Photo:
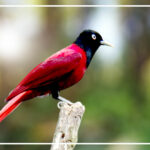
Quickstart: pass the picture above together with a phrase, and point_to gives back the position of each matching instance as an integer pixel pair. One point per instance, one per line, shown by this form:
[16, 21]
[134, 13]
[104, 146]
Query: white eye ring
[93, 36]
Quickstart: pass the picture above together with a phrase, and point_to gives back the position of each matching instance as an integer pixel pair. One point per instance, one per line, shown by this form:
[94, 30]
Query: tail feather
[11, 105]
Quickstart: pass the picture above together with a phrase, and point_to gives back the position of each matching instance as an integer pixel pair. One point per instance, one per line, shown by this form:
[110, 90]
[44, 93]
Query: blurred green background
[115, 89]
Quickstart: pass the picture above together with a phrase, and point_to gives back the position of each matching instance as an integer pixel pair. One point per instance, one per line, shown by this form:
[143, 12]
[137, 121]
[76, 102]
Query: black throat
[89, 56]
[89, 51]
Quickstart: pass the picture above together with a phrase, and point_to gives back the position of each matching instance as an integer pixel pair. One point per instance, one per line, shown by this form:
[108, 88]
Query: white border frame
[100, 144]
[84, 6]
[117, 6]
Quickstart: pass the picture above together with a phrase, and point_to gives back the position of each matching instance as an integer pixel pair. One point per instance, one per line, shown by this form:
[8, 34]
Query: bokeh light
[11, 43]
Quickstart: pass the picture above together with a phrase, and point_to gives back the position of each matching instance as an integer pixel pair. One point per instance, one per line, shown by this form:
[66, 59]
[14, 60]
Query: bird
[59, 71]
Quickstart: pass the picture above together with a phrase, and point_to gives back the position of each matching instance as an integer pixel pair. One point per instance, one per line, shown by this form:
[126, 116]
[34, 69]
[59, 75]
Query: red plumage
[11, 105]
[65, 68]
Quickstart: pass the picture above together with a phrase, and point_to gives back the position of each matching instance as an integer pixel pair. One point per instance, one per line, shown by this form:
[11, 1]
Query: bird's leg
[64, 100]
[55, 95]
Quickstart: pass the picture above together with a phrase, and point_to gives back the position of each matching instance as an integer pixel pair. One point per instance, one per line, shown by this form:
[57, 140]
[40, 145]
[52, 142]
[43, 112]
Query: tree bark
[66, 133]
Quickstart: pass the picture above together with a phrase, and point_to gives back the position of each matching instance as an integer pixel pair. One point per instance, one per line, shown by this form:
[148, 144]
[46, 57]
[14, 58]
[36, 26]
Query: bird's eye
[93, 36]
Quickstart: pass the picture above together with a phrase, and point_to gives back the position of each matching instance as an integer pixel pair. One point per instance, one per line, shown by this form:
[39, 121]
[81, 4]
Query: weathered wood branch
[69, 120]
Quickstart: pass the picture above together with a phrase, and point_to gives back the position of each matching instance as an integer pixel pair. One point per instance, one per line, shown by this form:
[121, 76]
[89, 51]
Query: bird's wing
[49, 71]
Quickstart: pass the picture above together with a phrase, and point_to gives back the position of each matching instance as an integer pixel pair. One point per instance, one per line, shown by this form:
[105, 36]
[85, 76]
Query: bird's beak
[106, 43]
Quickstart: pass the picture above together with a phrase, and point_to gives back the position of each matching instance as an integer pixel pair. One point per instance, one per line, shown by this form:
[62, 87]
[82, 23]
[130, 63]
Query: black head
[89, 39]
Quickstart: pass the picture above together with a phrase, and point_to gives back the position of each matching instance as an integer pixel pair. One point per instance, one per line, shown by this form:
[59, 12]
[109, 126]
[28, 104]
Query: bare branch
[69, 120]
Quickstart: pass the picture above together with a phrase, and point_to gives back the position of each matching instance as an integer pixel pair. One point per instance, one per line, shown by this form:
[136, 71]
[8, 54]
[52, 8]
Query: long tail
[11, 105]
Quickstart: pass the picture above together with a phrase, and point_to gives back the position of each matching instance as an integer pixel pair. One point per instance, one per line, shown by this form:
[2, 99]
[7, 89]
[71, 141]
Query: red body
[65, 68]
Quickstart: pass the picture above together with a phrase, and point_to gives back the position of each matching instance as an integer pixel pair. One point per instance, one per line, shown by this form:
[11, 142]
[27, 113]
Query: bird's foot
[55, 95]
[64, 100]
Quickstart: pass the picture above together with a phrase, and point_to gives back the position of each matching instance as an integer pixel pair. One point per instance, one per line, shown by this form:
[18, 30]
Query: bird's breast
[75, 75]
[72, 78]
